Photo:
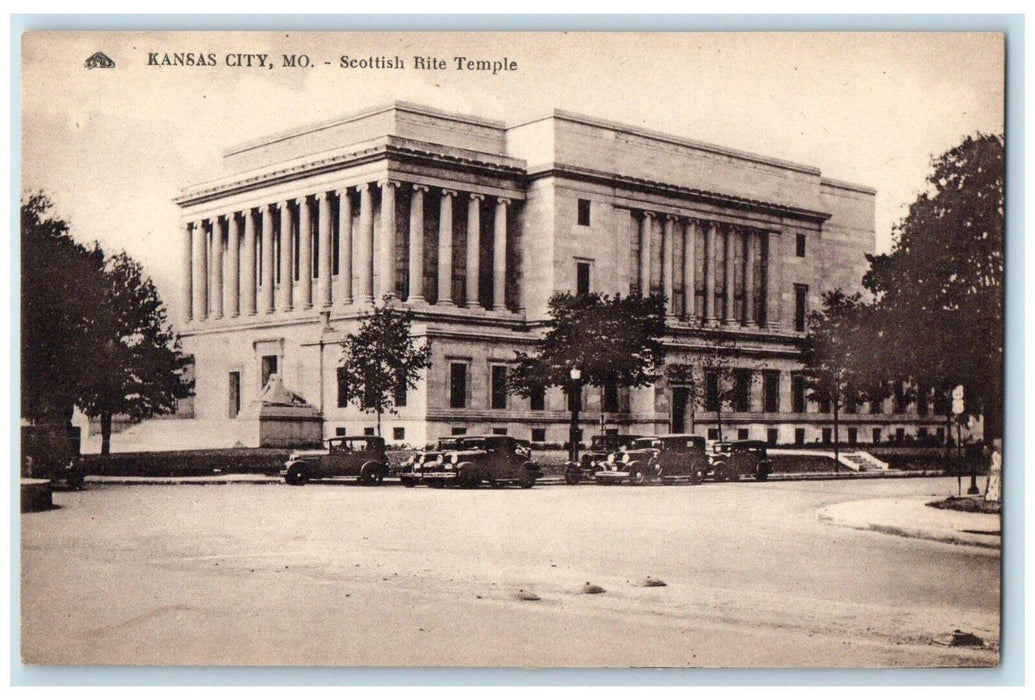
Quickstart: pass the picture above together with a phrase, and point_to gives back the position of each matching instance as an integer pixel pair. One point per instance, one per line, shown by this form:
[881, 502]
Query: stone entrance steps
[169, 434]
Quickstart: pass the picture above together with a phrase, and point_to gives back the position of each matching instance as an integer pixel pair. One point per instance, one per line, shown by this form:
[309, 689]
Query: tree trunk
[105, 432]
[379, 423]
[718, 419]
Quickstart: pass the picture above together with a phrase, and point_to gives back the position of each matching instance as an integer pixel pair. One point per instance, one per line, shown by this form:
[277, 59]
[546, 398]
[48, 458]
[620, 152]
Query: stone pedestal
[281, 418]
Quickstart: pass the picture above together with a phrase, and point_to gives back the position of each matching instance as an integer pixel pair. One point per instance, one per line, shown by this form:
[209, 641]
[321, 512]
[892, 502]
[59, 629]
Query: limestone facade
[473, 224]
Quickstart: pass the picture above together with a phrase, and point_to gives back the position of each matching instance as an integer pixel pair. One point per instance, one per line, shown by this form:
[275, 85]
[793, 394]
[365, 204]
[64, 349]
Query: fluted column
[499, 255]
[750, 242]
[232, 290]
[323, 237]
[186, 265]
[445, 248]
[287, 268]
[248, 269]
[646, 223]
[344, 247]
[199, 275]
[689, 268]
[667, 259]
[416, 254]
[709, 273]
[729, 276]
[363, 261]
[305, 253]
[217, 269]
[268, 274]
[773, 281]
[474, 226]
[386, 266]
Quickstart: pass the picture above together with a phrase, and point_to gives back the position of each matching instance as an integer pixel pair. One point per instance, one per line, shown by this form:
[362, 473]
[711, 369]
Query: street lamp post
[575, 396]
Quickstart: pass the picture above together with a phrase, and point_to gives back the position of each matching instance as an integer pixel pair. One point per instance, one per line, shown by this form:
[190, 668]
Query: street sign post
[957, 411]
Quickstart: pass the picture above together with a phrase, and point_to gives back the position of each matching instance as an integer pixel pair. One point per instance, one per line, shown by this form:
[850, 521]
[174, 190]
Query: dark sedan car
[599, 448]
[362, 457]
[732, 460]
[467, 461]
[666, 458]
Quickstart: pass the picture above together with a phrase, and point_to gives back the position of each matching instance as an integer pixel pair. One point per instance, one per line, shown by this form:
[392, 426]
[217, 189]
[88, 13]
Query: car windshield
[646, 443]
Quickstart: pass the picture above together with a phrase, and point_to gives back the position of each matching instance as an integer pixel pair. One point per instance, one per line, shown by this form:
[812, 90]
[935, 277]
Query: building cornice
[661, 188]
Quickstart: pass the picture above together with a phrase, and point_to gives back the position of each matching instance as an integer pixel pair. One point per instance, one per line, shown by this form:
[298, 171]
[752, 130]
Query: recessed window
[538, 434]
[269, 368]
[713, 433]
[499, 387]
[368, 431]
[797, 393]
[800, 249]
[398, 433]
[801, 292]
[711, 390]
[799, 436]
[742, 433]
[772, 435]
[499, 431]
[339, 431]
[610, 398]
[537, 401]
[582, 278]
[876, 435]
[399, 394]
[457, 385]
[235, 394]
[584, 212]
[458, 431]
[771, 390]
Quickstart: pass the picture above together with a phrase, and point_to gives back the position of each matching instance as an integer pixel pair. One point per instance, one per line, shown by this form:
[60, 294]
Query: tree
[61, 286]
[381, 357]
[944, 276]
[610, 341]
[137, 368]
[835, 355]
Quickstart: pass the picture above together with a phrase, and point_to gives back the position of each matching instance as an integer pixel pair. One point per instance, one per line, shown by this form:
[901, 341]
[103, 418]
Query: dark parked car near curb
[362, 457]
[467, 461]
[667, 458]
[600, 447]
[732, 460]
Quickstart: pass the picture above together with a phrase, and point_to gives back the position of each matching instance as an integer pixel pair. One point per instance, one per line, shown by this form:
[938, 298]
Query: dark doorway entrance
[235, 394]
[680, 399]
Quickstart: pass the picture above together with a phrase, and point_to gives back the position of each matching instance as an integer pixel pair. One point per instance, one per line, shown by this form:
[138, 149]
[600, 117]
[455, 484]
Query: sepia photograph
[523, 350]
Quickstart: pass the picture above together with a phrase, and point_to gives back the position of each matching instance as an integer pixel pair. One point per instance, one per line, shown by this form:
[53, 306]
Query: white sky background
[113, 147]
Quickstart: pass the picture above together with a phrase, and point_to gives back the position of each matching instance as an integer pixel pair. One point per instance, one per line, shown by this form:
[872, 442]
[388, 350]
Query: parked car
[467, 461]
[600, 447]
[732, 460]
[362, 457]
[667, 458]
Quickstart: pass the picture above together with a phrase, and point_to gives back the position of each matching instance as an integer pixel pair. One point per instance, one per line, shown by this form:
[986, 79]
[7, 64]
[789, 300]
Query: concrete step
[167, 435]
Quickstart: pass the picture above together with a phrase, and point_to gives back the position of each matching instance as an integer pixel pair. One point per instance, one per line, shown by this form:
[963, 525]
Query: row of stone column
[238, 236]
[756, 242]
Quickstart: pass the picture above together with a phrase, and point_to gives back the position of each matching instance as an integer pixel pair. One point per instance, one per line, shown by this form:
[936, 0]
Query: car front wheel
[408, 482]
[637, 477]
[697, 475]
[527, 479]
[296, 475]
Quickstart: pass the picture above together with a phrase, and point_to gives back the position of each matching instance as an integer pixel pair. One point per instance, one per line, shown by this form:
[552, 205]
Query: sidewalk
[910, 517]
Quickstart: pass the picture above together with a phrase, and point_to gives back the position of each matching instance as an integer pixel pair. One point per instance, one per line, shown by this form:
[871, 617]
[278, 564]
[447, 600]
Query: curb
[944, 536]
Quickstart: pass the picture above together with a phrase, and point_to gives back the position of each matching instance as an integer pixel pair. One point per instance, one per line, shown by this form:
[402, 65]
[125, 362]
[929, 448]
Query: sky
[113, 147]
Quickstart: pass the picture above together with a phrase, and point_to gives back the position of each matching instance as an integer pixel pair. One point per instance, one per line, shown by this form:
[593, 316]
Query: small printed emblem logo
[99, 60]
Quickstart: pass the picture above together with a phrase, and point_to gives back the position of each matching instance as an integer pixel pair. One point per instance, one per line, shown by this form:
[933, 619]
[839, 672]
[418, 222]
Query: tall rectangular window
[876, 436]
[457, 385]
[343, 394]
[498, 375]
[711, 390]
[269, 368]
[772, 435]
[800, 309]
[584, 210]
[234, 394]
[537, 401]
[582, 278]
[399, 394]
[742, 390]
[800, 245]
[771, 391]
[610, 398]
[797, 393]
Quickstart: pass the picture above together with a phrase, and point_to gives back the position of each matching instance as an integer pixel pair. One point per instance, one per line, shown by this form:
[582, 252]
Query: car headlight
[625, 458]
[453, 459]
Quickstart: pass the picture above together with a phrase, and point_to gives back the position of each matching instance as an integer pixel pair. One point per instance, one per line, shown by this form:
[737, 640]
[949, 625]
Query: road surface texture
[343, 575]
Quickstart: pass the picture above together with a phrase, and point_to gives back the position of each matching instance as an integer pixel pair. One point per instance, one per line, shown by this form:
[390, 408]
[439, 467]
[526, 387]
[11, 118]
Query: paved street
[337, 574]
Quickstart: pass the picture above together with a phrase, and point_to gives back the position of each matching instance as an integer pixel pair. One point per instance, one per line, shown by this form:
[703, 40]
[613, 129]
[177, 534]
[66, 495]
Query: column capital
[503, 200]
[341, 191]
[420, 188]
[448, 193]
[362, 187]
[475, 196]
[388, 183]
[672, 217]
[320, 196]
[284, 204]
[648, 214]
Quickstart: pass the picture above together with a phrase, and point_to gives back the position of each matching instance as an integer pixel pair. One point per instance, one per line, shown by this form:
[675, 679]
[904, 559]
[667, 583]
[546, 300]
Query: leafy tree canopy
[611, 340]
[380, 357]
[939, 293]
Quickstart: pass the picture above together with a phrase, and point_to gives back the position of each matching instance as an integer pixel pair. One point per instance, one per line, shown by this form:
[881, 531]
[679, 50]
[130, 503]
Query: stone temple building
[473, 224]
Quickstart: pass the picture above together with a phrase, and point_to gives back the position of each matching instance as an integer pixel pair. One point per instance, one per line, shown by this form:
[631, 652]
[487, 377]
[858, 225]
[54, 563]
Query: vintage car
[469, 460]
[362, 457]
[600, 447]
[732, 460]
[667, 458]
